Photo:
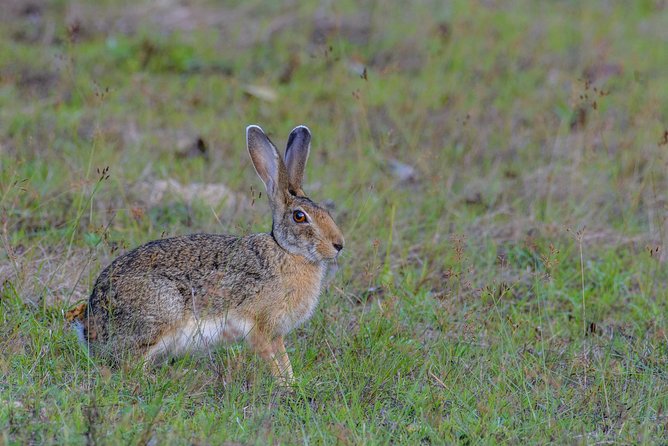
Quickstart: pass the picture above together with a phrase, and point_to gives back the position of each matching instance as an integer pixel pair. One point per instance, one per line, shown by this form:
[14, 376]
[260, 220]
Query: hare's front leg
[282, 358]
[273, 351]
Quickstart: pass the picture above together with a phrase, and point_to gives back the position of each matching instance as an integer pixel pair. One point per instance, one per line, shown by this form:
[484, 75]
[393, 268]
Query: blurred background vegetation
[499, 170]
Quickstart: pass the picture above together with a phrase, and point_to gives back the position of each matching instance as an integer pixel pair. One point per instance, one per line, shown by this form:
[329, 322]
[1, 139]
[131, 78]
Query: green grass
[512, 290]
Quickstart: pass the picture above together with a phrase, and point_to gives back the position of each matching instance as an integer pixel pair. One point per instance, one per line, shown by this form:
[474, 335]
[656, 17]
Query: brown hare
[190, 292]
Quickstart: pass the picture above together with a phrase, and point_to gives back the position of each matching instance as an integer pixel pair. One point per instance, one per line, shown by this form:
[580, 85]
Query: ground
[498, 168]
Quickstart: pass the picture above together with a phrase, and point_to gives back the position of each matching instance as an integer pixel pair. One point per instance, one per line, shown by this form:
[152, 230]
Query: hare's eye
[299, 216]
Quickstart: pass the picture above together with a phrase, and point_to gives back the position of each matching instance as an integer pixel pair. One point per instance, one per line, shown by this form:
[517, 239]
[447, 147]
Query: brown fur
[204, 288]
[76, 314]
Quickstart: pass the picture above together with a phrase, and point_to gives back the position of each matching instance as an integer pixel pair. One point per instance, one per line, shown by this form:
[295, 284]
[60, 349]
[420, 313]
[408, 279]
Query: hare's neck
[302, 285]
[304, 274]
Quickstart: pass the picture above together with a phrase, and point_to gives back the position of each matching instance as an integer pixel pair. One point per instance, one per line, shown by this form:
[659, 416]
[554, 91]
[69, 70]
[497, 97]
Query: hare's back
[161, 267]
[194, 252]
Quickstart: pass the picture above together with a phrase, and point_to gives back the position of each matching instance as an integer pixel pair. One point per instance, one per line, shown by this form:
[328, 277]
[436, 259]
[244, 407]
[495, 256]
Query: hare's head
[300, 226]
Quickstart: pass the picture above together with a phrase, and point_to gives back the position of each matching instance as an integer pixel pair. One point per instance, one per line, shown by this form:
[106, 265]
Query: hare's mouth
[333, 266]
[321, 254]
[332, 258]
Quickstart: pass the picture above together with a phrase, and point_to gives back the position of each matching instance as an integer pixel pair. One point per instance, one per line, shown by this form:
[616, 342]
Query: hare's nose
[338, 246]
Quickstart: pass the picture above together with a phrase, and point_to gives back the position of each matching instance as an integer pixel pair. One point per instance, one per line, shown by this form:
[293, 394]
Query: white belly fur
[202, 334]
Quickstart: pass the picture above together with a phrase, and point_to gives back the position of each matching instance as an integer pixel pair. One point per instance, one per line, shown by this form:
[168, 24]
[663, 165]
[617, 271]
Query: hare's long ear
[268, 165]
[296, 154]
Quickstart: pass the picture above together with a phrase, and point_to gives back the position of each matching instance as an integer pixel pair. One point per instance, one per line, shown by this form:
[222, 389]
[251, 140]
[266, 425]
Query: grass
[498, 170]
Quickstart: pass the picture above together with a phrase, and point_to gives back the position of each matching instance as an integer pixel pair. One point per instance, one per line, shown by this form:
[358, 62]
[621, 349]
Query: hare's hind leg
[156, 353]
[172, 342]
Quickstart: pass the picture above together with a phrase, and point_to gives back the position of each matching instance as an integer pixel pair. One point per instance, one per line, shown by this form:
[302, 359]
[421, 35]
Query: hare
[190, 292]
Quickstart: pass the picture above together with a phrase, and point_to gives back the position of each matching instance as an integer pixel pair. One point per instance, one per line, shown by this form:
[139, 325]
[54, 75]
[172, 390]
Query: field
[499, 170]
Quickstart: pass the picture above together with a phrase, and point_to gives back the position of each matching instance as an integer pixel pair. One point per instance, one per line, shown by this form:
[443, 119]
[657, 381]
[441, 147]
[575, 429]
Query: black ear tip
[254, 134]
[302, 133]
[254, 129]
[301, 129]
